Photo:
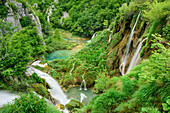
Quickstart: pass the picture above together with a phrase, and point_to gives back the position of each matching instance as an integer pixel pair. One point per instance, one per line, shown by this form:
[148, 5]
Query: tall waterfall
[126, 54]
[72, 69]
[84, 83]
[136, 56]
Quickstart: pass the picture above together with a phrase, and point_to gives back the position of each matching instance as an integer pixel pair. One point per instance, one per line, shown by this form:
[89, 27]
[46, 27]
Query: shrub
[25, 21]
[28, 103]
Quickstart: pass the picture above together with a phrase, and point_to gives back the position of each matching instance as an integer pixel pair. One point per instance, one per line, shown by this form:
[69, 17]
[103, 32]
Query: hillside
[126, 62]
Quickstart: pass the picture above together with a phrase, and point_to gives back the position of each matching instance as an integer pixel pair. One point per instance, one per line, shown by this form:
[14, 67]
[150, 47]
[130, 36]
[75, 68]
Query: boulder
[60, 106]
[74, 104]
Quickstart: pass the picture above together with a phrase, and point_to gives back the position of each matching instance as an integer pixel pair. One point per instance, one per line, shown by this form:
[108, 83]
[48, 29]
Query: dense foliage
[29, 103]
[144, 89]
[87, 17]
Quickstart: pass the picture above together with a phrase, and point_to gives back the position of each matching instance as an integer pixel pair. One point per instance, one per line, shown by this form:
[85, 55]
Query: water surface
[74, 92]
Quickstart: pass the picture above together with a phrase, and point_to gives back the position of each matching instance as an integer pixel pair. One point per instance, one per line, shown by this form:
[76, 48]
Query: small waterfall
[72, 69]
[84, 83]
[110, 37]
[82, 96]
[34, 18]
[49, 14]
[136, 56]
[126, 54]
[92, 37]
[55, 91]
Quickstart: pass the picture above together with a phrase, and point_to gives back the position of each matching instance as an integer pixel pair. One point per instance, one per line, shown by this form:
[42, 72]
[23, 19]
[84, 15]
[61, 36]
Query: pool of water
[75, 93]
[62, 54]
[7, 97]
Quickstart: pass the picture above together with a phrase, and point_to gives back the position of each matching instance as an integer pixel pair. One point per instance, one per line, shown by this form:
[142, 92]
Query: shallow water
[74, 92]
[62, 54]
[7, 96]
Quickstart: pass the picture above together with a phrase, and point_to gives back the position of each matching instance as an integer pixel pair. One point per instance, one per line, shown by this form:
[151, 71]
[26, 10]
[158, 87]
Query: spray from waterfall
[72, 69]
[126, 54]
[136, 56]
[82, 83]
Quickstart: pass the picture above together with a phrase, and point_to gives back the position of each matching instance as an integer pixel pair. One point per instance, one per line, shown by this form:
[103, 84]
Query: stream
[7, 97]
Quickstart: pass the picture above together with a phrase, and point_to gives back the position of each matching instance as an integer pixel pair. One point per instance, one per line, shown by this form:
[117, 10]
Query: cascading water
[55, 91]
[82, 96]
[136, 56]
[126, 54]
[92, 37]
[84, 83]
[110, 37]
[72, 69]
[49, 14]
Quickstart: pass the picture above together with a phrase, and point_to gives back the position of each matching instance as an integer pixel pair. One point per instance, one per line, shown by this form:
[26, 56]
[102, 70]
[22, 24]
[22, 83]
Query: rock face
[117, 46]
[14, 18]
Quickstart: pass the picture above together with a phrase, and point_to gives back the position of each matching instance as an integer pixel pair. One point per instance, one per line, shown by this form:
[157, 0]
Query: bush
[40, 89]
[25, 21]
[28, 103]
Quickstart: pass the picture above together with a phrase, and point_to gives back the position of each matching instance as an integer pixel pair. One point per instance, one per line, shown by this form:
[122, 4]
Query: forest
[125, 63]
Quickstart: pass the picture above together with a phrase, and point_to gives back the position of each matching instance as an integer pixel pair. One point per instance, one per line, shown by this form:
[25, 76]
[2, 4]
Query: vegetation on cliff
[144, 89]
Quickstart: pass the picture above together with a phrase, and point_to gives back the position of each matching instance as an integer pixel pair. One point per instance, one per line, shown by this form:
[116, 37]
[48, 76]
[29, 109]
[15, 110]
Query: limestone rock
[60, 106]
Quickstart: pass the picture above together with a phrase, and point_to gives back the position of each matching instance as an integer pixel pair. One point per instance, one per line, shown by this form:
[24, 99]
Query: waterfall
[92, 37]
[84, 83]
[126, 54]
[72, 69]
[55, 91]
[110, 37]
[82, 96]
[136, 56]
[49, 14]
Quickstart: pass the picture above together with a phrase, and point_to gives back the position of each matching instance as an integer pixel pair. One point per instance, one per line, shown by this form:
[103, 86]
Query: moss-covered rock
[60, 106]
[74, 104]
[40, 89]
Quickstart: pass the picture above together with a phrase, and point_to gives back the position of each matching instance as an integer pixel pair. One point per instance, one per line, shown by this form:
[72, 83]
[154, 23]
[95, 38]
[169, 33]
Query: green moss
[40, 89]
